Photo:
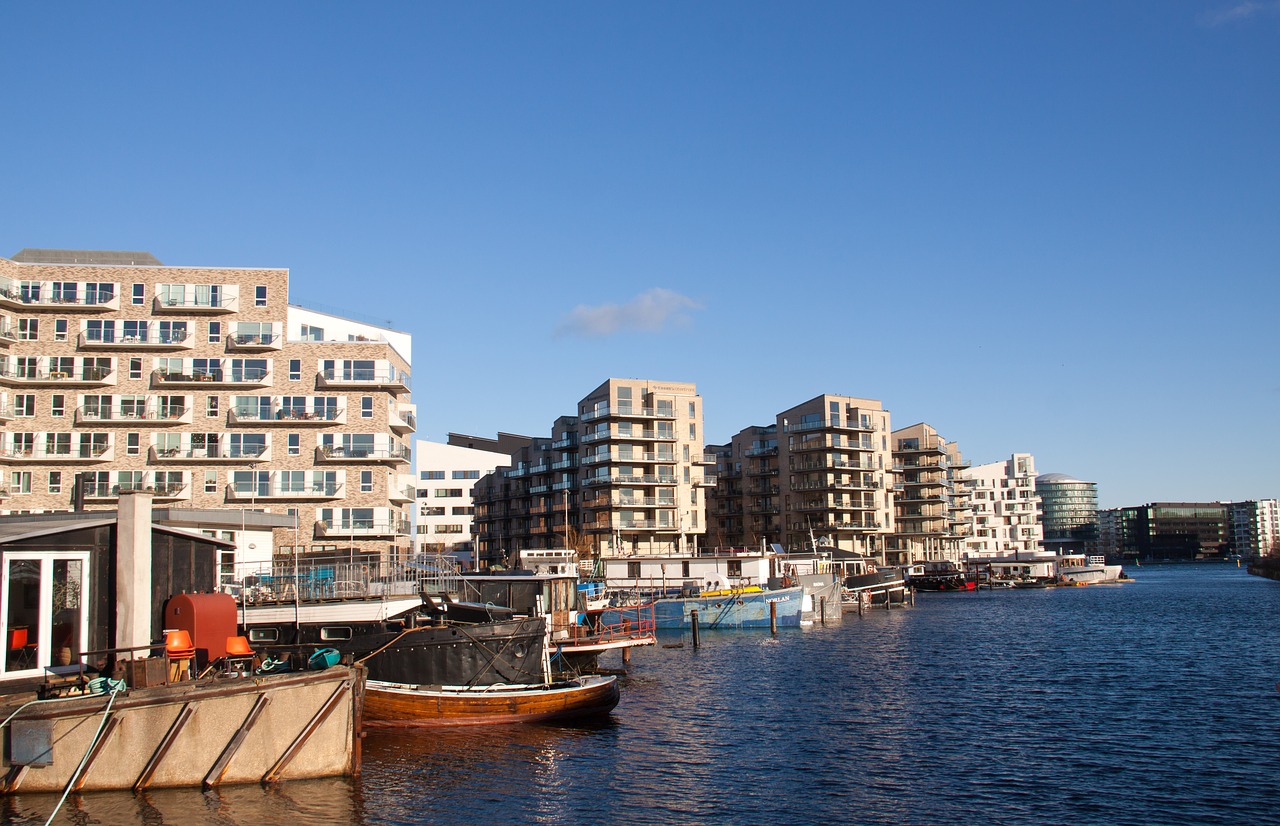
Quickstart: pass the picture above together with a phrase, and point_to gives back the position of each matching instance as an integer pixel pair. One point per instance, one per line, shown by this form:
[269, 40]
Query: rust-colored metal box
[208, 618]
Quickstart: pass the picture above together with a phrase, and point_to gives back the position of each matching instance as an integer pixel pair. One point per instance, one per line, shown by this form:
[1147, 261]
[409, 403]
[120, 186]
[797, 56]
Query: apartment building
[744, 510]
[932, 507]
[1255, 527]
[623, 476]
[205, 387]
[443, 510]
[1006, 510]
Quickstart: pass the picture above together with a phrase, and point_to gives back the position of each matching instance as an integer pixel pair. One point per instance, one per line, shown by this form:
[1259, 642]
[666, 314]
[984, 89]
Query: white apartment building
[442, 508]
[1005, 508]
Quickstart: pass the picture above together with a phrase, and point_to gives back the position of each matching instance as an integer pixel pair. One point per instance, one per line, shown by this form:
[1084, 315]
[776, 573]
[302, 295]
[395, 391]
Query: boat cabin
[91, 581]
[710, 572]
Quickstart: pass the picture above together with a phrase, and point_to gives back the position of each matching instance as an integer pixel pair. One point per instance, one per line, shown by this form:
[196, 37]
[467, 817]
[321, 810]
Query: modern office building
[443, 509]
[1070, 513]
[1166, 531]
[932, 508]
[1006, 510]
[204, 387]
[623, 476]
[1255, 527]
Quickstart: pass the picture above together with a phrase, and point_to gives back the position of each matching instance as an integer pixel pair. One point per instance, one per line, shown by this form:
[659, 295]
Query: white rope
[114, 687]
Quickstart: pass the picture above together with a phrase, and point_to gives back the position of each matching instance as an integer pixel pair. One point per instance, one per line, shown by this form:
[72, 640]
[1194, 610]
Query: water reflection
[330, 802]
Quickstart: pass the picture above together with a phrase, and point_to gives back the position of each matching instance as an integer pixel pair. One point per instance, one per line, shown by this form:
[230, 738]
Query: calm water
[1151, 702]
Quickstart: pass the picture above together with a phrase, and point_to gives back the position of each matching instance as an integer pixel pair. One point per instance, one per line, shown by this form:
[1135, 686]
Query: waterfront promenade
[1149, 702]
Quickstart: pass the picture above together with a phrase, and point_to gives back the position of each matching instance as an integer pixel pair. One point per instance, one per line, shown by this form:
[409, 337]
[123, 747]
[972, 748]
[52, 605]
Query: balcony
[708, 480]
[630, 480]
[218, 453]
[762, 471]
[287, 416]
[627, 413]
[255, 342]
[361, 528]
[46, 300]
[133, 416]
[564, 444]
[75, 377]
[151, 340]
[277, 490]
[402, 420]
[6, 412]
[392, 454]
[835, 423]
[7, 334]
[705, 459]
[761, 451]
[395, 381]
[82, 453]
[242, 377]
[214, 304]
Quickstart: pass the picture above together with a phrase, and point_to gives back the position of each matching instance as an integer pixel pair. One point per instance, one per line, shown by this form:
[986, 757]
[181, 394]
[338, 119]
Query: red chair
[239, 655]
[180, 650]
[22, 654]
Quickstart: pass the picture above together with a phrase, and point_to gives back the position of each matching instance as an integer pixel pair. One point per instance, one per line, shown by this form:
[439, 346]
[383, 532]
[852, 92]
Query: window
[24, 404]
[428, 475]
[310, 333]
[448, 529]
[464, 511]
[466, 474]
[211, 481]
[55, 481]
[295, 369]
[295, 444]
[336, 633]
[133, 444]
[135, 368]
[28, 329]
[260, 295]
[264, 634]
[431, 511]
[448, 493]
[633, 570]
[693, 432]
[366, 407]
[59, 329]
[366, 481]
[211, 406]
[57, 405]
[139, 293]
[215, 332]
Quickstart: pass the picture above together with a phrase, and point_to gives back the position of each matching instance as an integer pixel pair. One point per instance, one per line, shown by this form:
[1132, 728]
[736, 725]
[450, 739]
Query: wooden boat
[396, 704]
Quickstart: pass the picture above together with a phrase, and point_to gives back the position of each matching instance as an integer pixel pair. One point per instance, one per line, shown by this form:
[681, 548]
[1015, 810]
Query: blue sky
[1042, 227]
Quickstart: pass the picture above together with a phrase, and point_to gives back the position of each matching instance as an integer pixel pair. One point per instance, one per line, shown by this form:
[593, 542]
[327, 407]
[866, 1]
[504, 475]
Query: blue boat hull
[749, 610]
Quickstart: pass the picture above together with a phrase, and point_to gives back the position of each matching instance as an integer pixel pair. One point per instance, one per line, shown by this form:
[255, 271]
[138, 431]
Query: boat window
[264, 634]
[335, 633]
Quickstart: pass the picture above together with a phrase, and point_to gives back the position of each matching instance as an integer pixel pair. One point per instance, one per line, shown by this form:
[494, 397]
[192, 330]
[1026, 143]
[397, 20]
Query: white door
[43, 610]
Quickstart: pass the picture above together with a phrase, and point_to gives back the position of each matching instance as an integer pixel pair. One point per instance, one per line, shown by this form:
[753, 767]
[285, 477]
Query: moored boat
[397, 704]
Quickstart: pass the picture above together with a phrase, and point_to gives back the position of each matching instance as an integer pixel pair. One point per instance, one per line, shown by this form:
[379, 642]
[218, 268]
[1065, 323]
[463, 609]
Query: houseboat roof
[33, 526]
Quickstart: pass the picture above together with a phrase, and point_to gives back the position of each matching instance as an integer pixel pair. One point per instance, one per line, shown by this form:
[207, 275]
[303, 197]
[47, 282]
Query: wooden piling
[693, 621]
[773, 618]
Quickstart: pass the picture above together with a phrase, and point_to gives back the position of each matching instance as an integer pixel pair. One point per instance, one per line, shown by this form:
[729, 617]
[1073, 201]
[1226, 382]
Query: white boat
[1078, 569]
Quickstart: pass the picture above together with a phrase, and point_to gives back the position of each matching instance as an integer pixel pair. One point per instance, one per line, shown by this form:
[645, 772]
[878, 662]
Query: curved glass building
[1070, 514]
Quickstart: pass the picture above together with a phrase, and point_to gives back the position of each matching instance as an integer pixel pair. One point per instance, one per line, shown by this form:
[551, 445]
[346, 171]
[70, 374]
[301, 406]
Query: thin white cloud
[1240, 11]
[650, 311]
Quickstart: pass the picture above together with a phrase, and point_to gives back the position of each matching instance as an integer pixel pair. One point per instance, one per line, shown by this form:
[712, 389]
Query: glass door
[42, 606]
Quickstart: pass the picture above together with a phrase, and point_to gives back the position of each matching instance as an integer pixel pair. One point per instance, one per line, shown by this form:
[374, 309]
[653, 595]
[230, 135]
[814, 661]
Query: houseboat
[98, 680]
[726, 590]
